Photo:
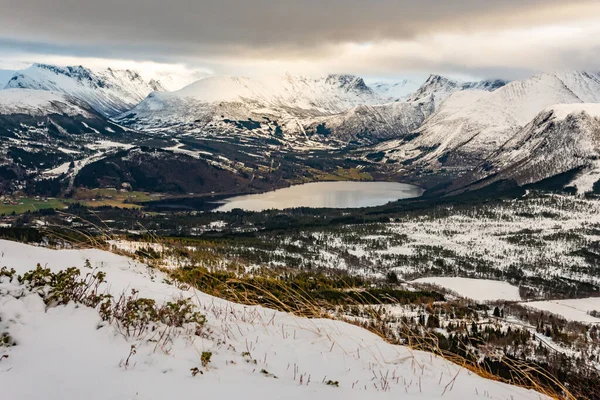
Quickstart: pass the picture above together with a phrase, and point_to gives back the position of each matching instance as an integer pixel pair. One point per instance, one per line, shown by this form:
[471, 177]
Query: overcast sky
[373, 38]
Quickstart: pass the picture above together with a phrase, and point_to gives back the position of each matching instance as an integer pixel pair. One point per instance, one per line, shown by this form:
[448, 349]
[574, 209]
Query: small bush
[205, 358]
[6, 340]
[133, 314]
[10, 273]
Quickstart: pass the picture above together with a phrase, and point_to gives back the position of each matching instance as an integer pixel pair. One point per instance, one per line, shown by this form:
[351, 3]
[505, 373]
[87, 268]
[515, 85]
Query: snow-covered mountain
[343, 105]
[35, 123]
[471, 125]
[397, 119]
[374, 122]
[559, 139]
[108, 91]
[43, 115]
[438, 88]
[226, 103]
[47, 134]
[241, 96]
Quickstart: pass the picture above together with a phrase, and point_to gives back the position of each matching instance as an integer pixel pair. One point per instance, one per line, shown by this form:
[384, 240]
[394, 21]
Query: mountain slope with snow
[343, 104]
[438, 88]
[109, 91]
[240, 98]
[256, 353]
[471, 125]
[561, 138]
[248, 105]
[39, 115]
[378, 122]
[44, 131]
[37, 103]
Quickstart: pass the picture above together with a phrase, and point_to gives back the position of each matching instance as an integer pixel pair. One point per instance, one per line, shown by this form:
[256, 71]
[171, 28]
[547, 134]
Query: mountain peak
[349, 82]
[435, 79]
[78, 72]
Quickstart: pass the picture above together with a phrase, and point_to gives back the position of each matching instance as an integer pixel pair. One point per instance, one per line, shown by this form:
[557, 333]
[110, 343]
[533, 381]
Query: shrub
[134, 315]
[6, 340]
[205, 358]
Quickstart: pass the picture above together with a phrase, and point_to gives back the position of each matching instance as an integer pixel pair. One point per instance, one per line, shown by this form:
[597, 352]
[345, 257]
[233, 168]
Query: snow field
[571, 309]
[481, 290]
[68, 353]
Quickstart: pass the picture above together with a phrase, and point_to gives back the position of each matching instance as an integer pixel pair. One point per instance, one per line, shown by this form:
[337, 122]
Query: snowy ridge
[241, 97]
[561, 138]
[471, 125]
[386, 121]
[332, 93]
[302, 353]
[343, 104]
[108, 91]
[562, 111]
[438, 88]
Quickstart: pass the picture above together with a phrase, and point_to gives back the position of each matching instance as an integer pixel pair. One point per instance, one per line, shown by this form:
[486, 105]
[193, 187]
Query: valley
[459, 218]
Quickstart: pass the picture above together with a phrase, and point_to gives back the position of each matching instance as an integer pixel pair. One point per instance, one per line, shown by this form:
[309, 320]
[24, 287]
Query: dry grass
[301, 303]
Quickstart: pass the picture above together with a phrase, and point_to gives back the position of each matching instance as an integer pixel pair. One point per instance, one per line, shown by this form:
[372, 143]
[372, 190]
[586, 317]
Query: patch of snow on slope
[70, 354]
[476, 289]
[37, 103]
[562, 111]
[572, 309]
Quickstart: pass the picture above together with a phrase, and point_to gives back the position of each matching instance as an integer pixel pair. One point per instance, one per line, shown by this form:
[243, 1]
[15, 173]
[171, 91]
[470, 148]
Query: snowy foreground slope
[66, 352]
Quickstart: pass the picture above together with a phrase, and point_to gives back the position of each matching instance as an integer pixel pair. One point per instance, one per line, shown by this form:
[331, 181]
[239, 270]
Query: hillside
[44, 132]
[474, 126]
[560, 139]
[254, 352]
[344, 107]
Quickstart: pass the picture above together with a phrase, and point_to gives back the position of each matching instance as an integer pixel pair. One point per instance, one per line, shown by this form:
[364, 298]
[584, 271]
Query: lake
[324, 195]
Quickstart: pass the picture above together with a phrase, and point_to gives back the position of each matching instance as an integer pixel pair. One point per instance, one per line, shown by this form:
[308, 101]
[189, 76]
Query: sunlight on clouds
[503, 42]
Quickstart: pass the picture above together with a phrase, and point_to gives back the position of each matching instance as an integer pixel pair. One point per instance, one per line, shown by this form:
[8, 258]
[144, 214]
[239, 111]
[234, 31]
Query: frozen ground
[572, 309]
[476, 289]
[67, 353]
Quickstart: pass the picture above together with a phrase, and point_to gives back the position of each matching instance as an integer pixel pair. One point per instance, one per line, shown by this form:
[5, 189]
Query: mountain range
[109, 91]
[448, 135]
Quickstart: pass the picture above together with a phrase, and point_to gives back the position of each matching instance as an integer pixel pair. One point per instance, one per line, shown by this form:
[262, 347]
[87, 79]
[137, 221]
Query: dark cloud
[227, 32]
[182, 25]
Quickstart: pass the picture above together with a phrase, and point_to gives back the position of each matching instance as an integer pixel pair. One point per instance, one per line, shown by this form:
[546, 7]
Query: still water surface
[324, 194]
